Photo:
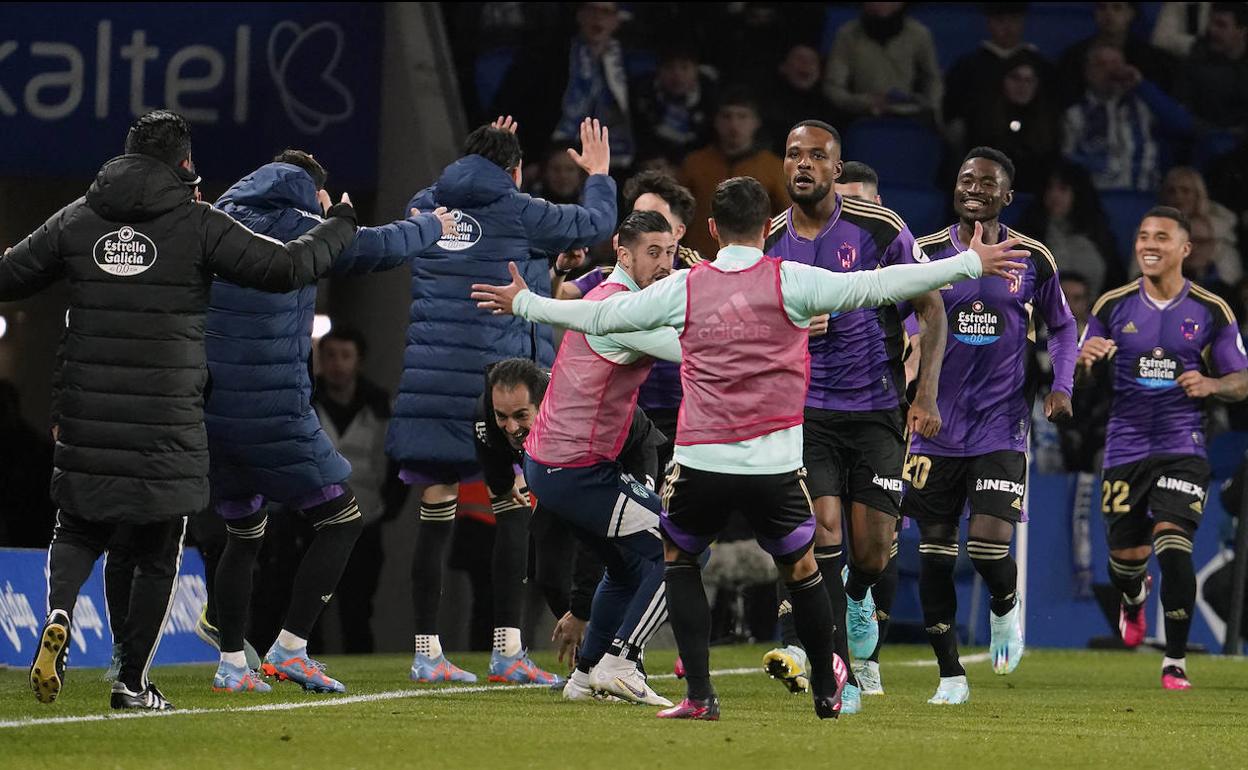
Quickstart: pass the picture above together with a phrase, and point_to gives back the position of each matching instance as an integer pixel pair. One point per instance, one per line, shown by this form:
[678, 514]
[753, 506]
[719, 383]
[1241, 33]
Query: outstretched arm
[33, 263]
[661, 304]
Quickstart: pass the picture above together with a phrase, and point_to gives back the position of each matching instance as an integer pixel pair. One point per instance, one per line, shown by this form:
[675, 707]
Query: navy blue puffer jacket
[449, 340]
[263, 434]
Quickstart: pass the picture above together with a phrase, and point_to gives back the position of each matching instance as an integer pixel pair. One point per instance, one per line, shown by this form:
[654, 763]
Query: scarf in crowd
[597, 88]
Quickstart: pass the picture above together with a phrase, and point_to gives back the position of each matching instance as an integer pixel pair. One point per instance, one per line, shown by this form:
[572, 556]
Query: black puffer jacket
[140, 253]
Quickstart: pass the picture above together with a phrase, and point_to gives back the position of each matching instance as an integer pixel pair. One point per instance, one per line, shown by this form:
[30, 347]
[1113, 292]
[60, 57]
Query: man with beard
[979, 459]
[855, 434]
[571, 464]
[1171, 344]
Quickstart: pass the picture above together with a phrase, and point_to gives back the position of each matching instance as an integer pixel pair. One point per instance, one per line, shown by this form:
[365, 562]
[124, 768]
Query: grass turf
[1059, 709]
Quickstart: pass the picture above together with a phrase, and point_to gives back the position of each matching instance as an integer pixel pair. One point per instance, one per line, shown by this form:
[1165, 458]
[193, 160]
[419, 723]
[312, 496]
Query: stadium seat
[901, 151]
[923, 208]
[1124, 208]
[1226, 453]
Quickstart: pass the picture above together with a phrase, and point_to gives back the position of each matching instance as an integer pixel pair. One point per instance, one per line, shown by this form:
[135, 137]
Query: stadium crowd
[628, 156]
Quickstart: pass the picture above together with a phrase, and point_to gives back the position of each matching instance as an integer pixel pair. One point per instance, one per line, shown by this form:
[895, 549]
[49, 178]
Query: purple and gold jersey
[661, 390]
[856, 366]
[983, 396]
[1151, 415]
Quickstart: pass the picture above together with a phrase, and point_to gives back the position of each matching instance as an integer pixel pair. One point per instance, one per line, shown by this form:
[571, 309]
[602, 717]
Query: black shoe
[150, 699]
[828, 707]
[47, 671]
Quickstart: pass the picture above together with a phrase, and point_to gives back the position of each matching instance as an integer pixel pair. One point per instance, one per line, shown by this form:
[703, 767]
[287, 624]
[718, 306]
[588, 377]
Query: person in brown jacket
[738, 150]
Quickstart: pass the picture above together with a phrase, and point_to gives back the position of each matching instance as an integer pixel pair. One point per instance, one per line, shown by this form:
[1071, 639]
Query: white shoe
[953, 690]
[578, 687]
[619, 677]
[867, 672]
[788, 665]
[1006, 646]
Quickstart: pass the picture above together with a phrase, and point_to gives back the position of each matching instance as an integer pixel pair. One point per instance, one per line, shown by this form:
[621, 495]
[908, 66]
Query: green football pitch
[1060, 709]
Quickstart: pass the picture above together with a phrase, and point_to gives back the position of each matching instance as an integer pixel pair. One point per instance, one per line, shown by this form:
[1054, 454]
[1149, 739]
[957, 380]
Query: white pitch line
[366, 698]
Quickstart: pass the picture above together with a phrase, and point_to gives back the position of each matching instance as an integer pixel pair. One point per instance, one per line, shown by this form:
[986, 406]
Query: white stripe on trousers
[173, 592]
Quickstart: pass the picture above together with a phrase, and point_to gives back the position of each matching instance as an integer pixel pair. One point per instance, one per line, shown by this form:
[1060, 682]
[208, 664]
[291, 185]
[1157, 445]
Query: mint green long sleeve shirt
[807, 292]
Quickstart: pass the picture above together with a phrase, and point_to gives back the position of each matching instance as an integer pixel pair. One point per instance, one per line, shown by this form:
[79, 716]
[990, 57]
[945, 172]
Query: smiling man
[979, 457]
[1156, 331]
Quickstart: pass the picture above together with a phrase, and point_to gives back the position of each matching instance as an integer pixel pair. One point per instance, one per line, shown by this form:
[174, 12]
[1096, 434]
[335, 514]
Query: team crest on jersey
[467, 233]
[124, 252]
[847, 254]
[976, 324]
[1189, 327]
[1157, 369]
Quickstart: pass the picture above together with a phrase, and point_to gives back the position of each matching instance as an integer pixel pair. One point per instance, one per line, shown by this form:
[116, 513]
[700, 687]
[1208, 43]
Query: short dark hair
[857, 171]
[1169, 212]
[821, 125]
[512, 372]
[344, 333]
[638, 223]
[994, 155]
[738, 96]
[160, 134]
[740, 206]
[305, 161]
[666, 187]
[497, 145]
[1238, 10]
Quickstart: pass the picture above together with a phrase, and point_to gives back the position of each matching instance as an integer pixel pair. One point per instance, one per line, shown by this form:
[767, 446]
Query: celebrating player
[855, 434]
[1156, 331]
[739, 437]
[979, 457]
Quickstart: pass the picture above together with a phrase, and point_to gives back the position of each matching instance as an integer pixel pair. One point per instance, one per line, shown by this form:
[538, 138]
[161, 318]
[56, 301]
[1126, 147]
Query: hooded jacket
[139, 254]
[264, 436]
[449, 340]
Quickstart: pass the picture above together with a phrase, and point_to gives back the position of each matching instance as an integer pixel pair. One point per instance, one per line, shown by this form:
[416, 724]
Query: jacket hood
[473, 181]
[137, 188]
[274, 186]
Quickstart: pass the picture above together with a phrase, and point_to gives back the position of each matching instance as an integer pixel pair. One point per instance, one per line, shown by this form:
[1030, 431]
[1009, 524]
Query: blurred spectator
[795, 94]
[1068, 218]
[1113, 28]
[560, 179]
[742, 40]
[26, 509]
[672, 111]
[1214, 80]
[1019, 120]
[1080, 440]
[1115, 130]
[1184, 189]
[976, 77]
[1202, 267]
[353, 412]
[1179, 26]
[553, 87]
[735, 152]
[884, 63]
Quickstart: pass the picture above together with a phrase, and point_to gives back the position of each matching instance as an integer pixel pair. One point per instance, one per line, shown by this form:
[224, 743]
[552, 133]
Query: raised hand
[1093, 350]
[595, 154]
[997, 259]
[498, 299]
[506, 123]
[568, 261]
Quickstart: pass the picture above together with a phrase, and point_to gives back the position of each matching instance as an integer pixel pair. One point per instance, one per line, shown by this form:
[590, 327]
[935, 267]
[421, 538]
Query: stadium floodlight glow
[321, 326]
[4, 326]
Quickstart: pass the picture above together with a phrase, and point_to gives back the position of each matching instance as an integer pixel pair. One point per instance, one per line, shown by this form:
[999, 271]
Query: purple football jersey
[1151, 415]
[856, 366]
[983, 396]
